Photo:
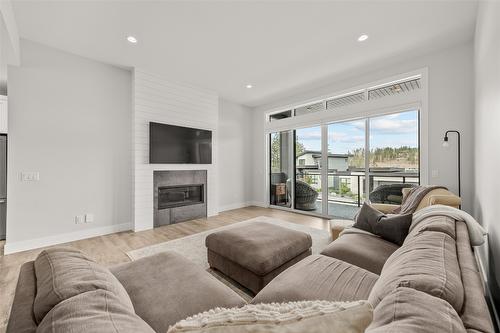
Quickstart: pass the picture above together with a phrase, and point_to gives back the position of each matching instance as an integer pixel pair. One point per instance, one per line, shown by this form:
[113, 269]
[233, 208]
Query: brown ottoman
[253, 254]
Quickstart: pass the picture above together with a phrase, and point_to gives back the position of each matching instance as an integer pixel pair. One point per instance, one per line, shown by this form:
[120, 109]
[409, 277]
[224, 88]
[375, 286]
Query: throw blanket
[476, 231]
[413, 199]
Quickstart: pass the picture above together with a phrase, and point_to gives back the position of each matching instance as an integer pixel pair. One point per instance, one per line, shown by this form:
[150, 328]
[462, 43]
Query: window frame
[411, 101]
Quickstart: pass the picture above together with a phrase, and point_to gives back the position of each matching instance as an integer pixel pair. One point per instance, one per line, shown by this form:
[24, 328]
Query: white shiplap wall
[158, 100]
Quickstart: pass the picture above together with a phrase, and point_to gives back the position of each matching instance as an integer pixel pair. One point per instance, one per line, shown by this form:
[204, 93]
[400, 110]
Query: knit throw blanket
[412, 200]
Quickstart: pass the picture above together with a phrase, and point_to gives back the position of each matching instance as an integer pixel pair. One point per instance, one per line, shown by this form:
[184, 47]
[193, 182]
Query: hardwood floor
[111, 249]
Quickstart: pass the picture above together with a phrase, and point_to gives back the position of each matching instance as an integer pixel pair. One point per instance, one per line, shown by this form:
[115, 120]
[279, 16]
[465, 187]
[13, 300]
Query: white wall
[4, 45]
[69, 120]
[451, 100]
[235, 155]
[159, 100]
[487, 136]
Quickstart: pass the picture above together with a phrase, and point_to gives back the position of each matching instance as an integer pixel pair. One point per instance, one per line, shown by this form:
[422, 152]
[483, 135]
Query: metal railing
[374, 183]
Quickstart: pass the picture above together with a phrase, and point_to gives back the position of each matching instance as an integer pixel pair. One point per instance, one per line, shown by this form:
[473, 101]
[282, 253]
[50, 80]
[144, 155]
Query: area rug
[193, 247]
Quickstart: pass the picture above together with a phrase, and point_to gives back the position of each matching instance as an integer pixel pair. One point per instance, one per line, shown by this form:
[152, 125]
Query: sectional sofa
[429, 284]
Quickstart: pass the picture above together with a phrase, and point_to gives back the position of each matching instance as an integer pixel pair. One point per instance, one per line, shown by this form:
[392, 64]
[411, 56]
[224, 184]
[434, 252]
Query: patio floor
[338, 210]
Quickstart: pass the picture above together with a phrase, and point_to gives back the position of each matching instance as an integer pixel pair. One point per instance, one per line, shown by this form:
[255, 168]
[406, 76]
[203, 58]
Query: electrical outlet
[79, 219]
[89, 218]
[435, 173]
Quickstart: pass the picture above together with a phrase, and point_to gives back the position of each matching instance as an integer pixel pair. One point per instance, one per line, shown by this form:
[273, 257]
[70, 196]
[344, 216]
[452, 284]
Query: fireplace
[180, 195]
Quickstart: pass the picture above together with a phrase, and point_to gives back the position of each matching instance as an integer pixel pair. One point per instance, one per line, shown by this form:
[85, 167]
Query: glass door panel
[394, 156]
[346, 168]
[281, 168]
[308, 194]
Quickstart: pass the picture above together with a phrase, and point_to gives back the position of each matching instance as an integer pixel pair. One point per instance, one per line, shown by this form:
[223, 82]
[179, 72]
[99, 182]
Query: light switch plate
[79, 219]
[435, 173]
[89, 218]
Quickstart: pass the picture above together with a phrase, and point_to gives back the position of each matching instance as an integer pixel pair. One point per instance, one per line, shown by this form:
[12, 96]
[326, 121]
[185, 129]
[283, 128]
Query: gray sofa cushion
[427, 262]
[270, 245]
[407, 310]
[442, 224]
[371, 256]
[318, 277]
[167, 287]
[97, 311]
[63, 272]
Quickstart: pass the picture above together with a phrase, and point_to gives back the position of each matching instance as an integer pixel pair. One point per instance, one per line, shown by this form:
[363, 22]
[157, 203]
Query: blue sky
[393, 130]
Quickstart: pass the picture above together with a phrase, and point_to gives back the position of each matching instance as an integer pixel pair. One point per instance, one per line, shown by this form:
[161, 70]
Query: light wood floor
[110, 249]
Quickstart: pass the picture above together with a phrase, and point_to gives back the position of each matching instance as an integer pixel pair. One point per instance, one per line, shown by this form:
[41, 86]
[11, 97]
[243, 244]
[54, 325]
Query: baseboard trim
[234, 206]
[13, 247]
[258, 204]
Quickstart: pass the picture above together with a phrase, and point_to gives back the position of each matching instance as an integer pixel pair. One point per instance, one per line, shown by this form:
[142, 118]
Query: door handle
[3, 201]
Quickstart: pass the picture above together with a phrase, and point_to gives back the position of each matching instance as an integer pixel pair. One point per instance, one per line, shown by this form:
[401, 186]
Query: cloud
[393, 126]
[342, 137]
[309, 135]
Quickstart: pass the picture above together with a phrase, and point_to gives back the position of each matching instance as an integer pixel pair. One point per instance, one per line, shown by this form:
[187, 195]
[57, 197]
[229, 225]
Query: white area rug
[193, 246]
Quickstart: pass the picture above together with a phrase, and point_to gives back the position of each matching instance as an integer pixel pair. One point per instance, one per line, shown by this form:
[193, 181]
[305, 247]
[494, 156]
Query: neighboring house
[312, 159]
[308, 165]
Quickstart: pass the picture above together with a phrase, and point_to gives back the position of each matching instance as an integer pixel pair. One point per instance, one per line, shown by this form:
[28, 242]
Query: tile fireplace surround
[179, 195]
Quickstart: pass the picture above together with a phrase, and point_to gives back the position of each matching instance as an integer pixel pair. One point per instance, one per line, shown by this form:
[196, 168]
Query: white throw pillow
[291, 317]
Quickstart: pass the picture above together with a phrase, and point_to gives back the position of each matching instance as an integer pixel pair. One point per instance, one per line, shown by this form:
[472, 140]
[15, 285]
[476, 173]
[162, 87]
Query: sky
[395, 130]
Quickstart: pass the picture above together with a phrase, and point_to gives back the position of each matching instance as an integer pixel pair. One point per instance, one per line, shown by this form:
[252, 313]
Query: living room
[227, 159]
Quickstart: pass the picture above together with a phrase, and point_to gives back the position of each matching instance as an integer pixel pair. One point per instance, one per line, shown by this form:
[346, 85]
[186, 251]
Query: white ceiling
[276, 46]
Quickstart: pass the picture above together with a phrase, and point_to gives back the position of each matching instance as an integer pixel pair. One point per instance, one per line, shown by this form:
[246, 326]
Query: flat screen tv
[169, 144]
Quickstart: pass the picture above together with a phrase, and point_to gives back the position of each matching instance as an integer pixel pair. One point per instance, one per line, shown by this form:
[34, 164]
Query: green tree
[276, 151]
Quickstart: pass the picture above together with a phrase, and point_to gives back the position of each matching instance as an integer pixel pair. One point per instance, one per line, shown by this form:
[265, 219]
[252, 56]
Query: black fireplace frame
[181, 204]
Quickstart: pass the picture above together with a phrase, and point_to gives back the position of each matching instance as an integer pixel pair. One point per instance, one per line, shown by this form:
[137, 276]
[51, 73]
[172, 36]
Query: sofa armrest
[21, 317]
[448, 200]
[384, 208]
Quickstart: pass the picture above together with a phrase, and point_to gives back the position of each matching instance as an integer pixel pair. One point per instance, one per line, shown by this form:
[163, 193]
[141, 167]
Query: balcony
[346, 190]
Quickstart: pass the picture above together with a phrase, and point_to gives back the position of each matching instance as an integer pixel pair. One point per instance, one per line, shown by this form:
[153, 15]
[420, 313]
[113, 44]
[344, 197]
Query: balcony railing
[347, 188]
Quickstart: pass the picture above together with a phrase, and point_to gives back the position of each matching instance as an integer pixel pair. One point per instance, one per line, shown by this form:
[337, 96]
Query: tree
[299, 148]
[276, 151]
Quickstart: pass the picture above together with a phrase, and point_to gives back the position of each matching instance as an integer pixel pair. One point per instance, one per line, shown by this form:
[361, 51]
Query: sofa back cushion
[474, 314]
[407, 310]
[442, 224]
[426, 262]
[94, 311]
[62, 273]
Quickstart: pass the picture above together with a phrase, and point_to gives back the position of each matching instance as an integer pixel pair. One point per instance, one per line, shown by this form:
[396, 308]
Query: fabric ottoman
[253, 254]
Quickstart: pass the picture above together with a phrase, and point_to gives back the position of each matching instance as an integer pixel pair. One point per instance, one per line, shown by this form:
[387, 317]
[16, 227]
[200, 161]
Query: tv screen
[169, 144]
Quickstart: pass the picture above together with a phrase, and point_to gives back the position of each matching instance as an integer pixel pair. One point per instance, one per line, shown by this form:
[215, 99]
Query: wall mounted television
[169, 144]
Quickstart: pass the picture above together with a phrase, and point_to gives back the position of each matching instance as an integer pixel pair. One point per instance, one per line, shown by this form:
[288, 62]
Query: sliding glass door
[281, 168]
[308, 169]
[331, 169]
[346, 167]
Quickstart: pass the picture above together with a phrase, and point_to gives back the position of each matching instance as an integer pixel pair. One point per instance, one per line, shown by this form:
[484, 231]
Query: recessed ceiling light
[362, 38]
[249, 86]
[132, 39]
